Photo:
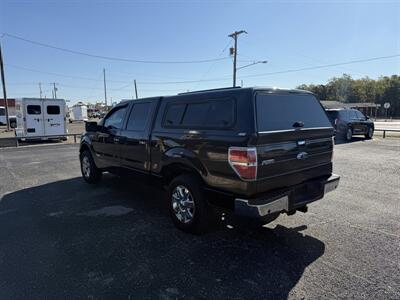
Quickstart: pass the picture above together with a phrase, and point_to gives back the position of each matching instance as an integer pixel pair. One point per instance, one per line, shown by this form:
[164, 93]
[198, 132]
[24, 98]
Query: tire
[90, 173]
[349, 134]
[13, 124]
[188, 207]
[370, 133]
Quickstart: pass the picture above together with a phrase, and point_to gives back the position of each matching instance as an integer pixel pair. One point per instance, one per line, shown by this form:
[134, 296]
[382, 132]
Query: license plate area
[307, 192]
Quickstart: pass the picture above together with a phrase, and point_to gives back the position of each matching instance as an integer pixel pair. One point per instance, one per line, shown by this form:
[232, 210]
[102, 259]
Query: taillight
[244, 162]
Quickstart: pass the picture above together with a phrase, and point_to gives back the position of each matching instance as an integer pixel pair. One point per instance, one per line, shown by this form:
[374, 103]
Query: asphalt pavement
[63, 238]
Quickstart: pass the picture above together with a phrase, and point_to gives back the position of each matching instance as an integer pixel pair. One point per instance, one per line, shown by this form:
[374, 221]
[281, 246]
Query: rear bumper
[286, 200]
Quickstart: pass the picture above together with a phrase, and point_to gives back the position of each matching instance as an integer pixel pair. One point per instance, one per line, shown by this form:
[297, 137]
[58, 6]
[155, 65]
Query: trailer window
[53, 110]
[34, 110]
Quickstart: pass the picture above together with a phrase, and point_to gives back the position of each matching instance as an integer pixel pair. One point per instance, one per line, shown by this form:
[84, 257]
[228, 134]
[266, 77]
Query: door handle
[192, 132]
[116, 140]
[142, 142]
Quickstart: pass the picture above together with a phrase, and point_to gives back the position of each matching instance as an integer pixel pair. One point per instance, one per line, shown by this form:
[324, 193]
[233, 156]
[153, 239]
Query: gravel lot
[62, 238]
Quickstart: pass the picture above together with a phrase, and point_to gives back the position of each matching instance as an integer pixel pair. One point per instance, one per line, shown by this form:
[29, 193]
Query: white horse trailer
[78, 113]
[40, 118]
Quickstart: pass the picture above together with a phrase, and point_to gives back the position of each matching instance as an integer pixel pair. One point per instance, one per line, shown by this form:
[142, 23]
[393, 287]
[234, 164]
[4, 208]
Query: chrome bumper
[283, 203]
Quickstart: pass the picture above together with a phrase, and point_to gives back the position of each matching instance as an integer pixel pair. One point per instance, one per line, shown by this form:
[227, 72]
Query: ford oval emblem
[302, 155]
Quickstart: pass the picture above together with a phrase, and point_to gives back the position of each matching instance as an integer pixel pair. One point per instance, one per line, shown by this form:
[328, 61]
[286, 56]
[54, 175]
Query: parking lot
[61, 237]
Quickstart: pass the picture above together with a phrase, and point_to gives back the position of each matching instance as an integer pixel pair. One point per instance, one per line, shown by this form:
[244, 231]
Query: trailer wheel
[90, 173]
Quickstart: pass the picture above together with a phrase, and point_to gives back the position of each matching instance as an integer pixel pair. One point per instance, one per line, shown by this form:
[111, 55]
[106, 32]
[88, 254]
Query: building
[11, 105]
[368, 108]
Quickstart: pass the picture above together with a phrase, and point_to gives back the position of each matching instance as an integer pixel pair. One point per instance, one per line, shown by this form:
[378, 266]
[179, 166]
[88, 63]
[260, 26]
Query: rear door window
[174, 114]
[139, 117]
[282, 111]
[34, 109]
[53, 110]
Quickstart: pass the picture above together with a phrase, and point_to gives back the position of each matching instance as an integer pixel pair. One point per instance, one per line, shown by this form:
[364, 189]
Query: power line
[59, 74]
[225, 78]
[322, 66]
[110, 57]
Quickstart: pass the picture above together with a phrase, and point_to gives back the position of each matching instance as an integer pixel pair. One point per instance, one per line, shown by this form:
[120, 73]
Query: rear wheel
[188, 207]
[370, 133]
[349, 134]
[90, 173]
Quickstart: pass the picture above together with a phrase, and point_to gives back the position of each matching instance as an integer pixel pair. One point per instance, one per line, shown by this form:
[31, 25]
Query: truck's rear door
[135, 148]
[294, 140]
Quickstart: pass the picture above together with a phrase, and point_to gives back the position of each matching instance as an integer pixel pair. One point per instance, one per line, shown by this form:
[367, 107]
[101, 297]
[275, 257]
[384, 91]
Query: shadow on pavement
[70, 239]
[339, 141]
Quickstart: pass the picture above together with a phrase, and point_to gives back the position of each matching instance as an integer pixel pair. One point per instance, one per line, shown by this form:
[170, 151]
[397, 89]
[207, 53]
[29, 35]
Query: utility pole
[3, 82]
[105, 87]
[54, 90]
[40, 90]
[234, 52]
[136, 89]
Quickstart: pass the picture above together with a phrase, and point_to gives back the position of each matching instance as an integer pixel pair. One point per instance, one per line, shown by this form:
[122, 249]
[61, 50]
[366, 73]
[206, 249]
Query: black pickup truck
[256, 152]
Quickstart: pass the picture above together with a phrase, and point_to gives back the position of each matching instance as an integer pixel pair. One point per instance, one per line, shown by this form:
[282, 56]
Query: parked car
[3, 118]
[349, 122]
[255, 152]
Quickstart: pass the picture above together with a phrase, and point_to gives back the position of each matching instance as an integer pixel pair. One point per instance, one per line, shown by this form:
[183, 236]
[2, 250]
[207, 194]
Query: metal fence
[17, 141]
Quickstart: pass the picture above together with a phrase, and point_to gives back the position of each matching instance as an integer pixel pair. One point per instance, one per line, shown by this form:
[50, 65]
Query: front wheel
[188, 207]
[370, 133]
[90, 173]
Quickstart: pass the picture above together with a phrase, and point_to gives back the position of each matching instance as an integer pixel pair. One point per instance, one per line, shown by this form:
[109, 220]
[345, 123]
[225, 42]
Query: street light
[252, 64]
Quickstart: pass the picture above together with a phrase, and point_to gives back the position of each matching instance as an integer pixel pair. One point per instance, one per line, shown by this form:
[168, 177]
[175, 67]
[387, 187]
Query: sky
[290, 35]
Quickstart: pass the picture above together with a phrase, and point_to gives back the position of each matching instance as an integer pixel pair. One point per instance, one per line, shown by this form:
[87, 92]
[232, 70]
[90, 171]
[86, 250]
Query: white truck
[3, 118]
[40, 118]
[78, 113]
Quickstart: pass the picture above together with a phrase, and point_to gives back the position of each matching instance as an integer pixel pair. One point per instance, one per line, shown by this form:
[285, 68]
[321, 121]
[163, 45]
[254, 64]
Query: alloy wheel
[183, 204]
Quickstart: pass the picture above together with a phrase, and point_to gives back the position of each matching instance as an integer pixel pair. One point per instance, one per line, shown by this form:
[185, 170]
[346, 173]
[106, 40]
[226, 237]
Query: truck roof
[224, 90]
[255, 88]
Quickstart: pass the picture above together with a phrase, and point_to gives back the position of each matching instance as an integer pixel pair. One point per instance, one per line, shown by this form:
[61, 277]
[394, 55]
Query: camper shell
[40, 118]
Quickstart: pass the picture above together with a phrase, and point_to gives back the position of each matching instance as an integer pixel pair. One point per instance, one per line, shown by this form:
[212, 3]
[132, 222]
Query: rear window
[34, 109]
[207, 114]
[281, 112]
[53, 110]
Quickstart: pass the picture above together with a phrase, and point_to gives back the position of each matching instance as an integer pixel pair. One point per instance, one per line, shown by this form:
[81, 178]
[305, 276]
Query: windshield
[283, 111]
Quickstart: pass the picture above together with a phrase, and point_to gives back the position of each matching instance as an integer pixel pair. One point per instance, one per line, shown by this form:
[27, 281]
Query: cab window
[115, 119]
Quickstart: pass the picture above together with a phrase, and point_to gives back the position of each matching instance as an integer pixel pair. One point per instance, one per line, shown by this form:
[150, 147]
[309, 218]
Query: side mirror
[91, 126]
[366, 117]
